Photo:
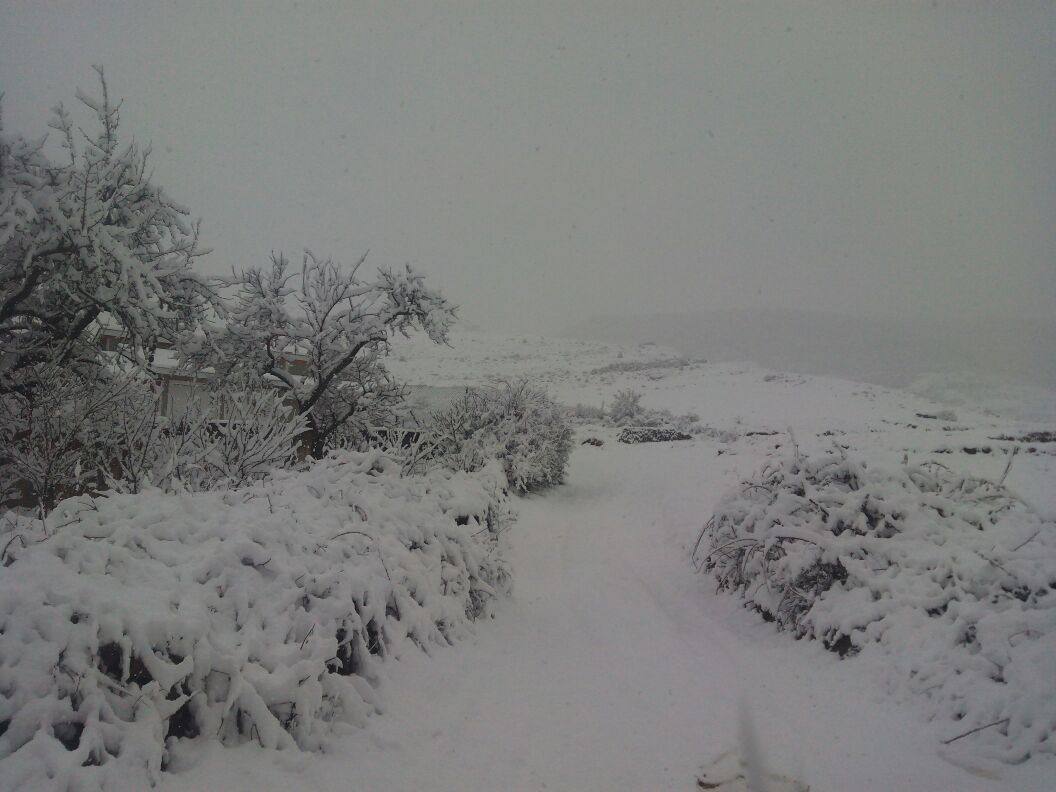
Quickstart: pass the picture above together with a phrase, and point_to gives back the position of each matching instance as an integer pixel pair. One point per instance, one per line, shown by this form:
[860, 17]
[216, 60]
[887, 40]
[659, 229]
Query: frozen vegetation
[137, 626]
[258, 530]
[947, 578]
[933, 582]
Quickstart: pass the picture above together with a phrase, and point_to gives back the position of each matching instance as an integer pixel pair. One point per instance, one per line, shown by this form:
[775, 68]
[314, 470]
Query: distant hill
[886, 352]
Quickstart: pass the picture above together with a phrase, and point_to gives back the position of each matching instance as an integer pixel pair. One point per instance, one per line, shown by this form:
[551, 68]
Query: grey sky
[544, 161]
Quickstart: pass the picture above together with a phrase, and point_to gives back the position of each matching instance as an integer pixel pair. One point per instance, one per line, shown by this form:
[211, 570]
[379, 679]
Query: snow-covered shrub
[950, 579]
[628, 411]
[626, 407]
[714, 433]
[516, 424]
[50, 435]
[256, 614]
[256, 432]
[81, 430]
[642, 365]
[107, 431]
[651, 434]
[131, 436]
[689, 423]
[588, 413]
[415, 449]
[223, 437]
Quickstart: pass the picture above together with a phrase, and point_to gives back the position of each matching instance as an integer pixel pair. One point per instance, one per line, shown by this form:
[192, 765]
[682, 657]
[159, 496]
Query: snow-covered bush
[107, 431]
[714, 433]
[225, 436]
[415, 450]
[50, 435]
[256, 614]
[627, 411]
[132, 440]
[516, 424]
[625, 367]
[689, 423]
[651, 434]
[949, 579]
[588, 413]
[626, 407]
[256, 431]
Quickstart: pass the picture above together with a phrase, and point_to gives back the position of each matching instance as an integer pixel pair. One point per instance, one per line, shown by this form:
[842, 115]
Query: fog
[548, 163]
[970, 359]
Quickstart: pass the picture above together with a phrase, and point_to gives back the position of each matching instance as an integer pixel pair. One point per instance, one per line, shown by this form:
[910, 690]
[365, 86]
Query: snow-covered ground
[614, 665]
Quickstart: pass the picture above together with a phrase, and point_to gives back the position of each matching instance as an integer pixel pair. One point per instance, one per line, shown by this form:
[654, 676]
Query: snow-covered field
[615, 665]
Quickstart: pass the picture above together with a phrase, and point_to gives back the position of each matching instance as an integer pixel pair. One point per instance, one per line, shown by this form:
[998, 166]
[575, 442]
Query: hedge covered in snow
[142, 622]
[949, 580]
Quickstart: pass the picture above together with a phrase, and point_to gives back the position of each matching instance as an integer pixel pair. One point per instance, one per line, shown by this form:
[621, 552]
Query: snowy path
[613, 668]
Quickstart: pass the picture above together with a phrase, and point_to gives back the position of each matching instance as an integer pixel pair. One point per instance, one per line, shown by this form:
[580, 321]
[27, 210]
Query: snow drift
[948, 580]
[256, 614]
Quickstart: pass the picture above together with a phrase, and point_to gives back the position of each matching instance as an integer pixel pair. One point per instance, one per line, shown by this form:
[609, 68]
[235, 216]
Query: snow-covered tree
[321, 334]
[87, 240]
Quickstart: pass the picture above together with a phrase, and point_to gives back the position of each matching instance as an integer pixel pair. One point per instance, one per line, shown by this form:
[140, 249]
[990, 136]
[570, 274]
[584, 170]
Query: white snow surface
[615, 665]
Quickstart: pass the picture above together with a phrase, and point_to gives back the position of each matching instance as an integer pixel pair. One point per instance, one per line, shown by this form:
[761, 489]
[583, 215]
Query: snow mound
[256, 614]
[948, 580]
[730, 772]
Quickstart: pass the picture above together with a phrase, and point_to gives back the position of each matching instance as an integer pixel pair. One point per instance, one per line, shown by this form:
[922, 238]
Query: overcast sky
[547, 161]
